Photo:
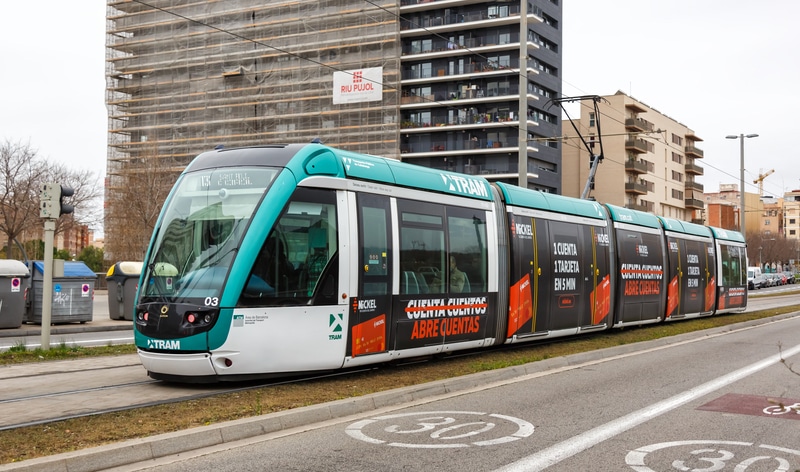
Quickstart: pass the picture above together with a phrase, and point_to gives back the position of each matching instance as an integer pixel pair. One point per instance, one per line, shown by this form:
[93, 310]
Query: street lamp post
[741, 176]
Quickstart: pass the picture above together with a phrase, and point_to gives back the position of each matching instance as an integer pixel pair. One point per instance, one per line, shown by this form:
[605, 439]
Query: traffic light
[51, 198]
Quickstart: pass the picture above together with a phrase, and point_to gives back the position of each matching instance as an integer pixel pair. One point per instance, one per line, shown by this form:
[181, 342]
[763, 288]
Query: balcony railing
[636, 166]
[636, 145]
[693, 151]
[692, 168]
[438, 19]
[694, 203]
[636, 206]
[442, 69]
[457, 145]
[695, 186]
[636, 187]
[638, 124]
[439, 45]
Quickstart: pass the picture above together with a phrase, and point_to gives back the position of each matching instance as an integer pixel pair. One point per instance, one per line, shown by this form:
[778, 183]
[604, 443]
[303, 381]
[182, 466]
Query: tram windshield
[201, 230]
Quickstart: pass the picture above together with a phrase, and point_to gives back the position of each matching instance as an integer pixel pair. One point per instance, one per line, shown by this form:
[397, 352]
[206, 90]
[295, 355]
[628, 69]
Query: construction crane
[760, 180]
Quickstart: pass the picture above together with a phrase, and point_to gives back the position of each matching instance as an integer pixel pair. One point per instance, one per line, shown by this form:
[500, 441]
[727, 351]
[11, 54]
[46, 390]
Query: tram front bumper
[180, 365]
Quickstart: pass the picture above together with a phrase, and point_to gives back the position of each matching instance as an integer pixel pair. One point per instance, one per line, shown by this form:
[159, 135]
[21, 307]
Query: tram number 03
[212, 301]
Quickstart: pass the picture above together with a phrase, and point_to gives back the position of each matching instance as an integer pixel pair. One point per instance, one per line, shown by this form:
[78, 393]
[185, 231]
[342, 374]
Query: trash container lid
[71, 269]
[125, 268]
[13, 268]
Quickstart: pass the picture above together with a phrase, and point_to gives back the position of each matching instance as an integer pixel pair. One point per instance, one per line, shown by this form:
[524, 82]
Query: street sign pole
[47, 281]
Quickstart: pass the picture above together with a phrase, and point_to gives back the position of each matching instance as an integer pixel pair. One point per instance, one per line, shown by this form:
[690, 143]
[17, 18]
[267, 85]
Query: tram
[286, 259]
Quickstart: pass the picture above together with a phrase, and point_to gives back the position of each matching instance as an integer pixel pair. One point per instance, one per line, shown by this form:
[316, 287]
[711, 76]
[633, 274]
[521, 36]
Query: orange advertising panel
[711, 290]
[520, 305]
[601, 300]
[370, 336]
[673, 296]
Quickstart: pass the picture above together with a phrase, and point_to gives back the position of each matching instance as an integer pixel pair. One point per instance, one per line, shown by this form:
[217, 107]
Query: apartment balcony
[636, 206]
[694, 152]
[429, 147]
[639, 188]
[636, 166]
[695, 186]
[638, 124]
[636, 145]
[693, 203]
[692, 168]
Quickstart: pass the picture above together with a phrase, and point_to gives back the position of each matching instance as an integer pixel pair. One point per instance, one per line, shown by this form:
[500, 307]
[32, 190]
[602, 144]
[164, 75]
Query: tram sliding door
[692, 281]
[561, 274]
[370, 310]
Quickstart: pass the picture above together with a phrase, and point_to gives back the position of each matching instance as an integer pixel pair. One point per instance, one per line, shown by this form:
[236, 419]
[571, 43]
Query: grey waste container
[73, 294]
[14, 284]
[123, 280]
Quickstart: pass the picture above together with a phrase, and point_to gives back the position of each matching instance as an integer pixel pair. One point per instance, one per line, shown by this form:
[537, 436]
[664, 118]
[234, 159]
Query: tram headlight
[198, 319]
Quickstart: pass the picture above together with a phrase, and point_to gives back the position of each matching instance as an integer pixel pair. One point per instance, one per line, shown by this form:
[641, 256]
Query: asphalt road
[697, 404]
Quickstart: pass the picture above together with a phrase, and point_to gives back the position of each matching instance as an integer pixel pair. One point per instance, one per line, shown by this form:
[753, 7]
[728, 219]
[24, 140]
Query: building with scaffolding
[461, 85]
[652, 156]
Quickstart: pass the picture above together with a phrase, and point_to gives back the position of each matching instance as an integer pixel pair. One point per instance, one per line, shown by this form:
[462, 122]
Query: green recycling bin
[123, 280]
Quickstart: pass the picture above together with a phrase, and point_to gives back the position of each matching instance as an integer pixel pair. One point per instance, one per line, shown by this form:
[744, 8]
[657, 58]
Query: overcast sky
[720, 67]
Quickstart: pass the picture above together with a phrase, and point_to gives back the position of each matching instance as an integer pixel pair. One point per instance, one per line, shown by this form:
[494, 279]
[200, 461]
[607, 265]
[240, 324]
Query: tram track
[47, 398]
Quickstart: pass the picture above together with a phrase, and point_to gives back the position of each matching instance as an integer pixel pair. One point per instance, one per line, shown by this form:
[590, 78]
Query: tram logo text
[163, 344]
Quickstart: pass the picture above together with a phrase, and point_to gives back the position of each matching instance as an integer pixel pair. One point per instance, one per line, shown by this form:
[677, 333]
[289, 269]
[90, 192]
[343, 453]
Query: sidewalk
[100, 322]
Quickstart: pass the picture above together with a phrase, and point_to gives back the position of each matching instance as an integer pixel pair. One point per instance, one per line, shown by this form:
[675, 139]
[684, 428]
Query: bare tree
[136, 193]
[771, 248]
[21, 172]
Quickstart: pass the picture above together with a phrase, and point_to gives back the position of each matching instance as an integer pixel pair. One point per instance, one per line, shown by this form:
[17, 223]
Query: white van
[755, 279]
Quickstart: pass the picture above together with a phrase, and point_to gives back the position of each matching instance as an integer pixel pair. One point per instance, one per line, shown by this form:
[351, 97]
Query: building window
[677, 176]
[677, 139]
[591, 120]
[677, 194]
[677, 158]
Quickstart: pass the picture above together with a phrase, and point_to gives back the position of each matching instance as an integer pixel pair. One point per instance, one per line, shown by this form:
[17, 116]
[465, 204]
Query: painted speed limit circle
[440, 429]
[713, 455]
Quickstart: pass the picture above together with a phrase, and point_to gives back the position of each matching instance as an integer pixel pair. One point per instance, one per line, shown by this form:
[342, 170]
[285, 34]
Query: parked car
[755, 279]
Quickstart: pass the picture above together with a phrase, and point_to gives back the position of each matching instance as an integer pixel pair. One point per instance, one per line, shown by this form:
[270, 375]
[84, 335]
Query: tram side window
[466, 230]
[422, 247]
[442, 249]
[299, 253]
[734, 267]
[374, 234]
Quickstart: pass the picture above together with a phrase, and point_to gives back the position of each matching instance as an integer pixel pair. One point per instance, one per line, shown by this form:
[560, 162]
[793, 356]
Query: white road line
[566, 449]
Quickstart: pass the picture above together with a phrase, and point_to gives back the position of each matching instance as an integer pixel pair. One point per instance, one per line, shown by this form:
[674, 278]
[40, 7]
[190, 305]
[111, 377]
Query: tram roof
[634, 217]
[527, 198]
[317, 159]
[389, 171]
[727, 235]
[678, 226]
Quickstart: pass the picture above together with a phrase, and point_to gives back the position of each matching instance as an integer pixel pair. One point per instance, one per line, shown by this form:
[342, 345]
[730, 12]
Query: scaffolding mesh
[184, 76]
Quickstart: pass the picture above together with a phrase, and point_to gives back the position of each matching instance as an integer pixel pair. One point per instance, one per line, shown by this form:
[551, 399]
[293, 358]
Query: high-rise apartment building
[648, 154]
[461, 85]
[477, 78]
